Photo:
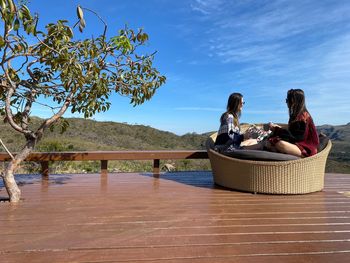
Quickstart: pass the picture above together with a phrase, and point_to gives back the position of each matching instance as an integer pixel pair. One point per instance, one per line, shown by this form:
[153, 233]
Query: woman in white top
[229, 131]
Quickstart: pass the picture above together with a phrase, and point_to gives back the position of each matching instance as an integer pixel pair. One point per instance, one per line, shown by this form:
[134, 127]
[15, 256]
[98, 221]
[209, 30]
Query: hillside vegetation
[339, 158]
[85, 134]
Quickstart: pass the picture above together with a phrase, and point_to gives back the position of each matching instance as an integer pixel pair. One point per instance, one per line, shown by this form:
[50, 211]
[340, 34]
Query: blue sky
[208, 49]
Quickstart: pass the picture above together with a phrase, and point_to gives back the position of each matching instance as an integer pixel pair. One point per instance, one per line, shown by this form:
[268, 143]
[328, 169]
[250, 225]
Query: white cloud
[206, 7]
[199, 9]
[273, 46]
[271, 31]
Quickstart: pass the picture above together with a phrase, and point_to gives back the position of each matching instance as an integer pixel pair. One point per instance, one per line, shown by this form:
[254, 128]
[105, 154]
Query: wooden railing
[104, 156]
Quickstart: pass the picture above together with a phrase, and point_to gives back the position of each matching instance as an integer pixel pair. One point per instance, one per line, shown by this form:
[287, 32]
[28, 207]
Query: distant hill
[85, 134]
[339, 158]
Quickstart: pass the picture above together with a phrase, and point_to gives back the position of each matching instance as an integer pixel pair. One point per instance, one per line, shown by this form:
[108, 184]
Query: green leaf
[81, 28]
[70, 32]
[2, 42]
[26, 12]
[82, 22]
[80, 13]
[16, 25]
[12, 6]
[3, 4]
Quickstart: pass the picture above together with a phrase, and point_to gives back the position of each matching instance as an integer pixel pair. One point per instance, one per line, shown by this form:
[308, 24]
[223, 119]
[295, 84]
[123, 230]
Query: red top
[308, 146]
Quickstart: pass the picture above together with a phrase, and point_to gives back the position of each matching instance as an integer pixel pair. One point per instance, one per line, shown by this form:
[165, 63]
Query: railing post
[44, 168]
[104, 166]
[156, 163]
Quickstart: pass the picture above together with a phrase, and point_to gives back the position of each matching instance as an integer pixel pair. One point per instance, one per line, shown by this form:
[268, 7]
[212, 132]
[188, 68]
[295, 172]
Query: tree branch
[47, 123]
[105, 29]
[54, 50]
[3, 145]
[9, 114]
[27, 109]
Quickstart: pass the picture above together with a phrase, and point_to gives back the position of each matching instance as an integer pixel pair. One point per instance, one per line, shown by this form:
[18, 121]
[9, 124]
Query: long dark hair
[296, 103]
[233, 107]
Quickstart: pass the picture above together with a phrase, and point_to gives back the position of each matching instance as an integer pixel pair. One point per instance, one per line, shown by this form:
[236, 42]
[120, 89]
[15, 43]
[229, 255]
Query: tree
[72, 74]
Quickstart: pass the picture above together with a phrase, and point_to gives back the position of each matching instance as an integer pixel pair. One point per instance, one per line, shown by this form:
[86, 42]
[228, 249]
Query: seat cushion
[259, 155]
[263, 155]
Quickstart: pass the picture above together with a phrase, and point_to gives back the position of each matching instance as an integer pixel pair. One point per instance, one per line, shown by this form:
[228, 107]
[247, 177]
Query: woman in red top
[301, 138]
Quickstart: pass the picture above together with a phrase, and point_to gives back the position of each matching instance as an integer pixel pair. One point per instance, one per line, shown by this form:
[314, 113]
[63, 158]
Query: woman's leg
[257, 146]
[269, 146]
[288, 148]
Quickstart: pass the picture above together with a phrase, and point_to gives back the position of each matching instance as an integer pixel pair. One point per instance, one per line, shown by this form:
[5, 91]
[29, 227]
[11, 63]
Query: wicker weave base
[300, 176]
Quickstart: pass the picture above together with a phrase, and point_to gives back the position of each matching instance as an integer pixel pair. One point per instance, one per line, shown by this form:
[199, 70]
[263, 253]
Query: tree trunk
[11, 185]
[9, 179]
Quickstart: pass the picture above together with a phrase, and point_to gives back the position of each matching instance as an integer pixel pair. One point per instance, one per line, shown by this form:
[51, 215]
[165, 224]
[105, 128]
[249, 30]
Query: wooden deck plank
[167, 253]
[180, 217]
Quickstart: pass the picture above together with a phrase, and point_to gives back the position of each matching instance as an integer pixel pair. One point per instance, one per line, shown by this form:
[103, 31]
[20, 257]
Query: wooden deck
[179, 217]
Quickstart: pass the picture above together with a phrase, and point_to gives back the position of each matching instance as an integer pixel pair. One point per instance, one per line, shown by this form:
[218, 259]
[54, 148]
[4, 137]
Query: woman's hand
[273, 126]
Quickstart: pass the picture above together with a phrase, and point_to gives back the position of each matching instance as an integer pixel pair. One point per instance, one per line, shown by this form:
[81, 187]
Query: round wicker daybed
[299, 176]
